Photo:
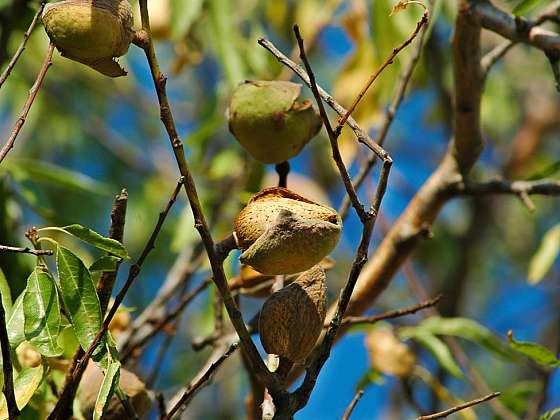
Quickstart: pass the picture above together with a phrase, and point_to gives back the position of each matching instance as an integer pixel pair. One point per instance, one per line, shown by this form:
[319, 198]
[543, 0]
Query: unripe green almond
[265, 117]
[291, 319]
[92, 32]
[281, 232]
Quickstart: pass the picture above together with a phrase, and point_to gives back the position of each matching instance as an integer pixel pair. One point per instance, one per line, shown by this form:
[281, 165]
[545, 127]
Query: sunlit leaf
[534, 351]
[15, 323]
[6, 294]
[525, 6]
[25, 384]
[48, 173]
[372, 376]
[93, 238]
[183, 15]
[42, 313]
[545, 256]
[107, 389]
[435, 346]
[467, 329]
[105, 263]
[549, 415]
[79, 296]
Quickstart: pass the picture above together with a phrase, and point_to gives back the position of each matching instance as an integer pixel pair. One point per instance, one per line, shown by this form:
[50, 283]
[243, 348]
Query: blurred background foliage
[88, 136]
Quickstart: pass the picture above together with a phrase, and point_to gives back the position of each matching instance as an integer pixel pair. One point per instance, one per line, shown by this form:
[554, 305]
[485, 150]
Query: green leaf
[15, 323]
[93, 238]
[545, 256]
[106, 263]
[25, 384]
[42, 313]
[467, 329]
[534, 351]
[6, 294]
[79, 296]
[435, 346]
[111, 380]
[41, 172]
[525, 6]
[547, 172]
[372, 376]
[183, 15]
[518, 396]
[549, 415]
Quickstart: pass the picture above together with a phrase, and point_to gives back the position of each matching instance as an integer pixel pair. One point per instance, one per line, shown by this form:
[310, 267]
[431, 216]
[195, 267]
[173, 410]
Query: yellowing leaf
[545, 256]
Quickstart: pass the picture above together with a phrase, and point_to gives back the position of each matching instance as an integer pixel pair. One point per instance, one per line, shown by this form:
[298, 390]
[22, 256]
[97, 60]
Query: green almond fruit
[282, 232]
[91, 32]
[265, 117]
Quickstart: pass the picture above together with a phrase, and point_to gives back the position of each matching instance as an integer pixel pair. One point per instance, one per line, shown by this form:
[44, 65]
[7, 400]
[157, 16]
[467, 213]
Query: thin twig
[81, 358]
[388, 61]
[388, 117]
[195, 386]
[8, 388]
[32, 95]
[143, 40]
[160, 324]
[333, 137]
[25, 250]
[353, 320]
[352, 405]
[540, 187]
[289, 405]
[361, 135]
[21, 48]
[443, 414]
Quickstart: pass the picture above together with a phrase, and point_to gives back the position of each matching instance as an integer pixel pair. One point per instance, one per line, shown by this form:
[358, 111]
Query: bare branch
[25, 250]
[388, 61]
[353, 320]
[540, 187]
[8, 388]
[21, 48]
[362, 136]
[333, 137]
[198, 383]
[460, 407]
[144, 41]
[353, 404]
[515, 28]
[32, 95]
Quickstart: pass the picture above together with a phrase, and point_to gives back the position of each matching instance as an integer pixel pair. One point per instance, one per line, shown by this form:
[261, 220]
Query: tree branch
[32, 95]
[460, 407]
[515, 28]
[540, 187]
[8, 388]
[25, 250]
[353, 404]
[21, 48]
[201, 379]
[144, 41]
[388, 61]
[353, 320]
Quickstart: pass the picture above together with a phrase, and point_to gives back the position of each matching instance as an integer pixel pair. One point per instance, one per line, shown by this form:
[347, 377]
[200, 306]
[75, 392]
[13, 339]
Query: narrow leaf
[112, 374]
[93, 238]
[25, 384]
[372, 376]
[106, 263]
[42, 313]
[549, 415]
[534, 351]
[525, 6]
[467, 329]
[545, 256]
[6, 293]
[79, 296]
[435, 346]
[15, 323]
